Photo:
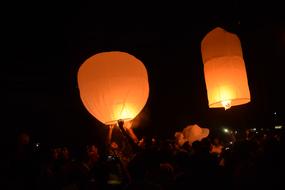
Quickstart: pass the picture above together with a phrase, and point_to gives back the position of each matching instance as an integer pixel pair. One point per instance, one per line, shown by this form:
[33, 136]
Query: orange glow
[224, 69]
[113, 86]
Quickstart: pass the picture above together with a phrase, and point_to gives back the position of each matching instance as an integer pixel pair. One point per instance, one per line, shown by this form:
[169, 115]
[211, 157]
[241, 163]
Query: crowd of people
[256, 160]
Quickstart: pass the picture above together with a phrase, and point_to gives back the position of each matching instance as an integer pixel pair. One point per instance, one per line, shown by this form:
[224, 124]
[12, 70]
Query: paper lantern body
[195, 133]
[224, 69]
[113, 86]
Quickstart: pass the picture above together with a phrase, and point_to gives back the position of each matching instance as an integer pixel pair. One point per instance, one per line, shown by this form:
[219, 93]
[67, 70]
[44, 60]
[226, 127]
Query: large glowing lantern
[113, 86]
[224, 69]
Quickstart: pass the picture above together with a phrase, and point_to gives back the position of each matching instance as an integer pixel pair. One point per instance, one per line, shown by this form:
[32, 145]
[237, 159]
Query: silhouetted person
[50, 170]
[22, 168]
[204, 165]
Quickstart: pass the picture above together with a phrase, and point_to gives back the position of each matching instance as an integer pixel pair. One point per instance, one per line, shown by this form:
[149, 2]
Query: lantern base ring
[117, 121]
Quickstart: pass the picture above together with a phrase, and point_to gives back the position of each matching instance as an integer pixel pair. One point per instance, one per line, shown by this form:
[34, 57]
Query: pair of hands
[128, 129]
[127, 125]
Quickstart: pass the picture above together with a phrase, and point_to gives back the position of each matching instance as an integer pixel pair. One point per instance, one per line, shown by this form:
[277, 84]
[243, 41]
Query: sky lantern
[190, 134]
[224, 69]
[113, 86]
[194, 133]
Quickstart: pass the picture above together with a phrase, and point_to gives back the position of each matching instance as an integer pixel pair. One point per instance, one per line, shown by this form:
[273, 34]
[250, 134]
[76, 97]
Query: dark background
[44, 45]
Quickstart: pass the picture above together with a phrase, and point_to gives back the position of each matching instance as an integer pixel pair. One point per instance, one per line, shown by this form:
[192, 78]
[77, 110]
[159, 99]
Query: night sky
[44, 45]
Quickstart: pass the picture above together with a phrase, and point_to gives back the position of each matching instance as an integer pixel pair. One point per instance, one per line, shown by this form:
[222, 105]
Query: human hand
[111, 126]
[128, 124]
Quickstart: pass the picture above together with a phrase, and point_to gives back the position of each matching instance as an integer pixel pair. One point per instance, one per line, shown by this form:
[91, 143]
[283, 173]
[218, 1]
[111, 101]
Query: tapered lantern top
[113, 86]
[224, 69]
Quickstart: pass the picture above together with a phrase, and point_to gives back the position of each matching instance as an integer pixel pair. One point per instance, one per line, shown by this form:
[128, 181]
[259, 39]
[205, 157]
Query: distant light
[226, 130]
[256, 132]
[274, 113]
[227, 148]
[254, 129]
[236, 132]
[231, 142]
[278, 127]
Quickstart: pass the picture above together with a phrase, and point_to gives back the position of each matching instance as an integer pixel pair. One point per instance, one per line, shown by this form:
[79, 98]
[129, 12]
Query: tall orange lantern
[224, 69]
[113, 86]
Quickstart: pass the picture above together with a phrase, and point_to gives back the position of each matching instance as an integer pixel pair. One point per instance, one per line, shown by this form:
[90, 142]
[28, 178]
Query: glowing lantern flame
[226, 104]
